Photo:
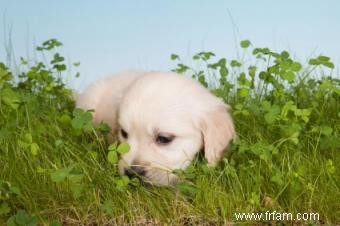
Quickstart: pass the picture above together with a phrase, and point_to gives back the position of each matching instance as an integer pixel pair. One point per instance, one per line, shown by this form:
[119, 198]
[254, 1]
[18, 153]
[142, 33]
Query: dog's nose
[134, 171]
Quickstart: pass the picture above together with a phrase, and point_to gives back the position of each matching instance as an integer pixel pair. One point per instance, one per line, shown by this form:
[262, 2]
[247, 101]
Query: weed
[56, 164]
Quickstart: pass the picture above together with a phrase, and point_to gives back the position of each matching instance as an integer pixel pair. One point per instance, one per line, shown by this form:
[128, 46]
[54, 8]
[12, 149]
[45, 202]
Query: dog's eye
[162, 139]
[124, 134]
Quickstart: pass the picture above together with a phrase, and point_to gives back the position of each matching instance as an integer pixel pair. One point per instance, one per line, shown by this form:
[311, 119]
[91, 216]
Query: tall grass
[56, 167]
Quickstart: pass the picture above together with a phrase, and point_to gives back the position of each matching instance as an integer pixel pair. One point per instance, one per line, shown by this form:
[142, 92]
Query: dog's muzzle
[135, 171]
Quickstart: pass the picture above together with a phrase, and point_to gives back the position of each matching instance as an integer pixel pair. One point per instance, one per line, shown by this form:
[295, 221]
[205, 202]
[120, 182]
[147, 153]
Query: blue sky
[110, 36]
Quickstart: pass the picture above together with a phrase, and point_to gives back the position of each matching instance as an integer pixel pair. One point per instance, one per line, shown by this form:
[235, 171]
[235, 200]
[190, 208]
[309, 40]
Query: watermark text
[276, 216]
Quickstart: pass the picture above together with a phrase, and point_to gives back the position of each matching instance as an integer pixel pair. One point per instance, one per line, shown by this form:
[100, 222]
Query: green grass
[56, 167]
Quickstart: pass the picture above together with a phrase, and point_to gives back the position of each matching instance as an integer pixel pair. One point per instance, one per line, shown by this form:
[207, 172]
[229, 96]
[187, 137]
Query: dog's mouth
[135, 172]
[139, 173]
[150, 177]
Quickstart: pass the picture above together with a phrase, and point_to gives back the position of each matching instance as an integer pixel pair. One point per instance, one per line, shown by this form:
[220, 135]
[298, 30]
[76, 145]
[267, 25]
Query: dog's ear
[218, 130]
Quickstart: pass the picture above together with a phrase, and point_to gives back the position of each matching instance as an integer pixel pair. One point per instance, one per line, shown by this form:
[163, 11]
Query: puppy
[166, 119]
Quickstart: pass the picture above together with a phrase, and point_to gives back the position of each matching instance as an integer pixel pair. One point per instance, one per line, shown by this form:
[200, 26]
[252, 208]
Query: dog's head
[167, 119]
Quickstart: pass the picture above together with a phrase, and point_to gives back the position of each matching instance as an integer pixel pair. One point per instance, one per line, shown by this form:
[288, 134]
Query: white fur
[145, 104]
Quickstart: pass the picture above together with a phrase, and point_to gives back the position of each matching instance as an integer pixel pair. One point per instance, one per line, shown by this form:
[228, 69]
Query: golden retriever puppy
[166, 119]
